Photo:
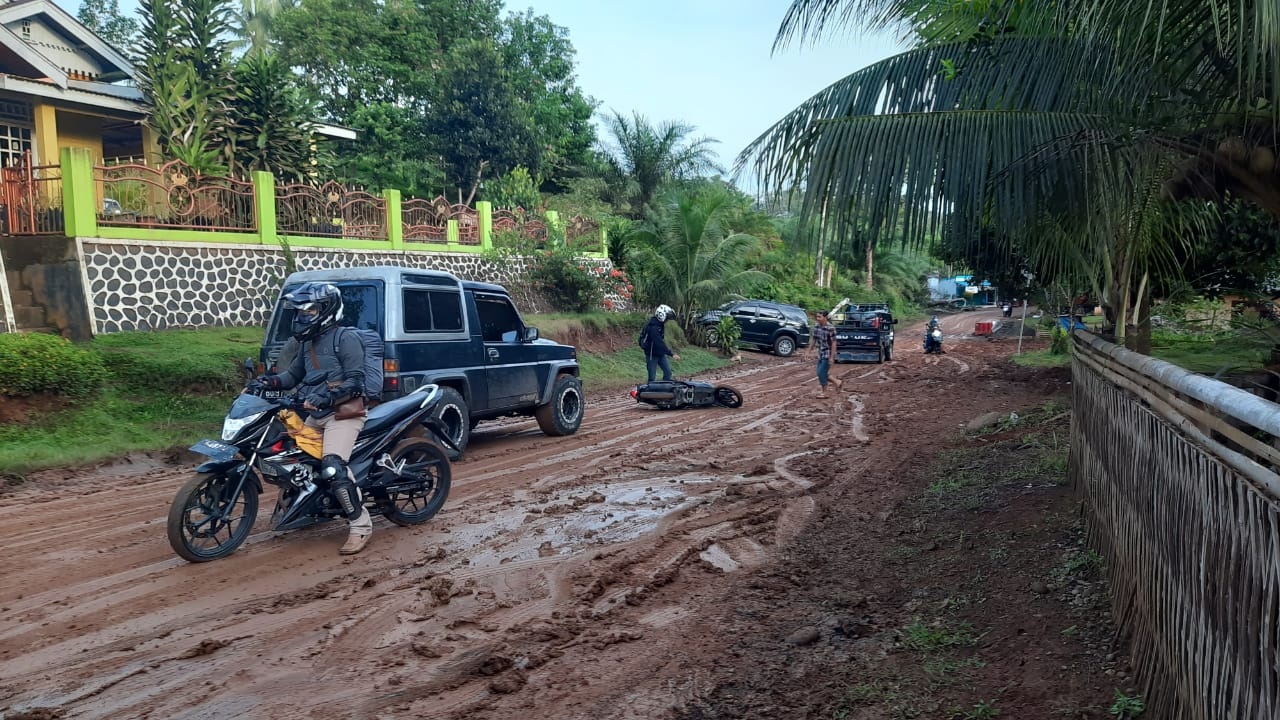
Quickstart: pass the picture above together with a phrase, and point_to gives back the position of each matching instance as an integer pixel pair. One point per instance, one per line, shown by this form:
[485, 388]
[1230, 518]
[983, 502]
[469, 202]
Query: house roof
[83, 40]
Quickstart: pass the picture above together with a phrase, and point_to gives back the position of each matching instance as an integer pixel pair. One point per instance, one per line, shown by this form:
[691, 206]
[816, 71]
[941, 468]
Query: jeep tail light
[875, 323]
[390, 365]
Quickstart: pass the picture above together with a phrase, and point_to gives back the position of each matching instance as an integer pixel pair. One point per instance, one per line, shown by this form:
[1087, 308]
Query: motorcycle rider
[328, 371]
[654, 342]
[930, 341]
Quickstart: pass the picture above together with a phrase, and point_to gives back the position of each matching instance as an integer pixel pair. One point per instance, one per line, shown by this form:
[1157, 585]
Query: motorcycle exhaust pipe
[659, 396]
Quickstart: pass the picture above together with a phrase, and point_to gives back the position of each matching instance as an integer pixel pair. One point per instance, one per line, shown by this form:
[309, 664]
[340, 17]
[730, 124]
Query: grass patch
[163, 361]
[564, 325]
[110, 425]
[1042, 359]
[931, 638]
[1212, 354]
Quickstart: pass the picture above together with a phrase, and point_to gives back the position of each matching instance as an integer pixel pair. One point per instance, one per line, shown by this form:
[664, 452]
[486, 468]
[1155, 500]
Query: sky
[703, 62]
[707, 63]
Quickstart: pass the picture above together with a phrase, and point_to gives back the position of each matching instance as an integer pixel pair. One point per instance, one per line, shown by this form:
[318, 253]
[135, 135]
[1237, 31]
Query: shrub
[1061, 343]
[565, 281]
[33, 363]
[729, 333]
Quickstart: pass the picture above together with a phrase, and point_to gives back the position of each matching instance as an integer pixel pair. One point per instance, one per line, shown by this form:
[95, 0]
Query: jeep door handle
[493, 353]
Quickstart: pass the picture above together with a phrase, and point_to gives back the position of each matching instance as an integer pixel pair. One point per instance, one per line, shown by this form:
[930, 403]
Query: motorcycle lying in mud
[675, 394]
[402, 473]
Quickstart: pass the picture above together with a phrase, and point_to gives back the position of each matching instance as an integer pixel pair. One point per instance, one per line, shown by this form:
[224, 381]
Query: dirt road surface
[567, 578]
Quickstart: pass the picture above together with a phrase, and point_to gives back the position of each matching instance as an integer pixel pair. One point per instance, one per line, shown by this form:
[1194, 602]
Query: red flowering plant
[615, 287]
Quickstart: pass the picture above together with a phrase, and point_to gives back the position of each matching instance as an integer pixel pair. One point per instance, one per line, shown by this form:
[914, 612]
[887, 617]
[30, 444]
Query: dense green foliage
[216, 114]
[560, 277]
[33, 363]
[104, 18]
[270, 120]
[689, 259]
[183, 61]
[445, 95]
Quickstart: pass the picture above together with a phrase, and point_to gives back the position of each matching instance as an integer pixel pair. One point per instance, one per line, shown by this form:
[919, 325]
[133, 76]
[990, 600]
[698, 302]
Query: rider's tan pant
[339, 435]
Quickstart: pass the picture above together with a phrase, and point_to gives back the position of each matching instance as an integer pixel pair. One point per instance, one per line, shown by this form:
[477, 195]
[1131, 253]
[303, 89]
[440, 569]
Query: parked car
[863, 331]
[468, 337]
[766, 325]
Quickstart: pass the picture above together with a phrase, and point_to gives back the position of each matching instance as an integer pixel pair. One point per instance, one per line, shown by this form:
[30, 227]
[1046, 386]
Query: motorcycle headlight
[231, 427]
[937, 334]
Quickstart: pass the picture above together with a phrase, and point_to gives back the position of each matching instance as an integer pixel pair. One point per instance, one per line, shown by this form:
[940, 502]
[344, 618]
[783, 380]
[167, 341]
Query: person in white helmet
[653, 340]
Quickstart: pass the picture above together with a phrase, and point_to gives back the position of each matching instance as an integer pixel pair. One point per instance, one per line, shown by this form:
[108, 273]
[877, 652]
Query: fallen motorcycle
[403, 474]
[675, 394]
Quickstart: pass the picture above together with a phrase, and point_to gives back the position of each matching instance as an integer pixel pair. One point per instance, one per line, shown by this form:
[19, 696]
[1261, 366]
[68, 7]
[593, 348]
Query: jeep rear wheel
[562, 414]
[784, 346]
[452, 412]
[888, 352]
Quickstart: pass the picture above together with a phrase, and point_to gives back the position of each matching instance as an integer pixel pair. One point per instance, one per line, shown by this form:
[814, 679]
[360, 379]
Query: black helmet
[317, 306]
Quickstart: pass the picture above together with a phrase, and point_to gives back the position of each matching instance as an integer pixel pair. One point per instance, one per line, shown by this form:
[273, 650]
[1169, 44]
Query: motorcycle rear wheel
[726, 396]
[204, 523]
[429, 464]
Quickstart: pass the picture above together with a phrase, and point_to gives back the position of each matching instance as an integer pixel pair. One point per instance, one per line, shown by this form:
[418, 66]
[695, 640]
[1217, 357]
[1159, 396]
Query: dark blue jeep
[465, 336]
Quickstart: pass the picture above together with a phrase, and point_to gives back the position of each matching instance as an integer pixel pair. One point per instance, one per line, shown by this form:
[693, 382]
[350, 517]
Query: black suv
[465, 336]
[765, 325]
[863, 332]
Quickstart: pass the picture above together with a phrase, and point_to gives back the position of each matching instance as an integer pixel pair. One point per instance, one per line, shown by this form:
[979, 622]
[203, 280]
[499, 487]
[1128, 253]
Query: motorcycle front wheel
[727, 397]
[423, 486]
[205, 522]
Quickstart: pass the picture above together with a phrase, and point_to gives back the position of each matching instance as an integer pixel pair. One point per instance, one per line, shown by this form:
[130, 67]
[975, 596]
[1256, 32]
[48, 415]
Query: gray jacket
[327, 370]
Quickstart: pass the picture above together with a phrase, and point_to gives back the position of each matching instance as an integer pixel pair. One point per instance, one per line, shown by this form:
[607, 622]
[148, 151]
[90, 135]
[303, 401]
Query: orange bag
[307, 437]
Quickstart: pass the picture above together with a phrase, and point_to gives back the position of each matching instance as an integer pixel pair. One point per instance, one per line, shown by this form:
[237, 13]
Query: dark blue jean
[653, 363]
[824, 368]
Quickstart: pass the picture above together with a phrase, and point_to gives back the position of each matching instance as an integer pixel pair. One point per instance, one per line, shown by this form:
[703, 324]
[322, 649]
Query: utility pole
[1025, 302]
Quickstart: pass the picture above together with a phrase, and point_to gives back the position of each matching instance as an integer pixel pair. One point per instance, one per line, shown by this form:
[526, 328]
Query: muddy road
[565, 578]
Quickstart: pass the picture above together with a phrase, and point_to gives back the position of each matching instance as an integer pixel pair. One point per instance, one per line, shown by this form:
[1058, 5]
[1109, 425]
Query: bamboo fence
[1178, 478]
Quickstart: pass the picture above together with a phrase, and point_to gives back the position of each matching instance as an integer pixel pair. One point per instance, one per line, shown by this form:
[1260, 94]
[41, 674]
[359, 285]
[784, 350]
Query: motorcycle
[402, 474]
[675, 394]
[1006, 309]
[933, 341]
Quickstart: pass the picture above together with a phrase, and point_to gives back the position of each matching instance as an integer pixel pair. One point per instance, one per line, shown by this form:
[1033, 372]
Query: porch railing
[1179, 478]
[32, 198]
[173, 196]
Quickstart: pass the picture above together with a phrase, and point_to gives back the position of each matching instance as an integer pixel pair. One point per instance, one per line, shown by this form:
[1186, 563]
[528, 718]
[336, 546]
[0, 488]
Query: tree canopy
[444, 93]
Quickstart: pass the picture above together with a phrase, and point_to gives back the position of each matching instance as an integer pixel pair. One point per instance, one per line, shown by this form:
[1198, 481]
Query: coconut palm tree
[643, 156]
[688, 260]
[1026, 115]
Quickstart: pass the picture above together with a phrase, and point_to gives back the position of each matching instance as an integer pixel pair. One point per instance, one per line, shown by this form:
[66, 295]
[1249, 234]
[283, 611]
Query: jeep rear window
[359, 309]
[432, 311]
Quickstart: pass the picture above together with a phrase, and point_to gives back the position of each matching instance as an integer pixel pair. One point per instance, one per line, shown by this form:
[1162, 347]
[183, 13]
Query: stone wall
[137, 285]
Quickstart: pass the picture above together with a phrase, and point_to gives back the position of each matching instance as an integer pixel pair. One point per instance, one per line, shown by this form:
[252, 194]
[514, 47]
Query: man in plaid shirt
[824, 339]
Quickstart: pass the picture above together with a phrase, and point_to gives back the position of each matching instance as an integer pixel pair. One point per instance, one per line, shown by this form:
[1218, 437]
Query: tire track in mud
[549, 551]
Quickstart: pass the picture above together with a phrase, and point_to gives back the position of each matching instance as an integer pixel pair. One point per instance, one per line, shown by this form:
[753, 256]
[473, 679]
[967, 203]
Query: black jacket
[327, 370]
[655, 334]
